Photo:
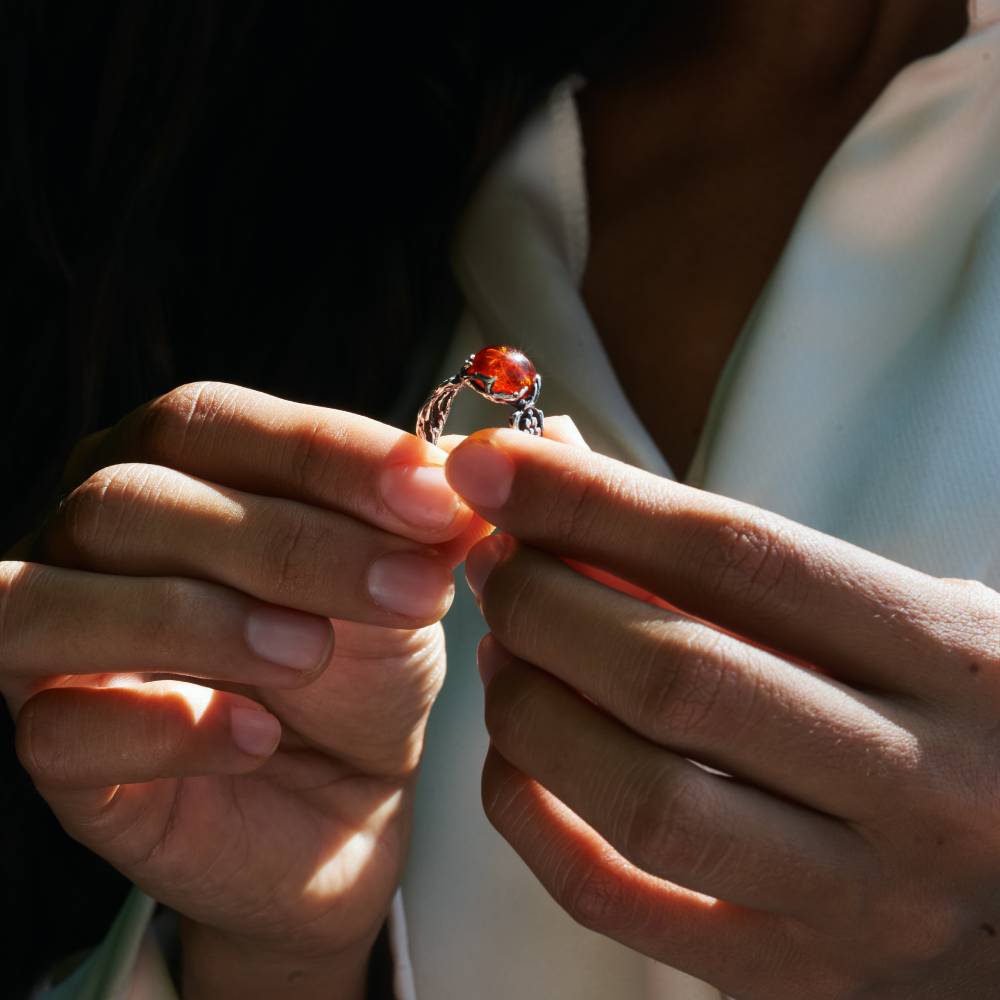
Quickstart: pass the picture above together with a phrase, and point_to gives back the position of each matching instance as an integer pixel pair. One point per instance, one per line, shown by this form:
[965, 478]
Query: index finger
[760, 576]
[261, 444]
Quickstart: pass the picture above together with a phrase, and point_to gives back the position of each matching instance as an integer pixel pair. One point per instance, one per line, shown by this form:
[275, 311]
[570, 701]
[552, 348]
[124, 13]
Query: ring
[499, 374]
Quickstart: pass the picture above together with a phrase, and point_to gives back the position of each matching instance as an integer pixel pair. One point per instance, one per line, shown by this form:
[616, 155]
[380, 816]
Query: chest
[683, 243]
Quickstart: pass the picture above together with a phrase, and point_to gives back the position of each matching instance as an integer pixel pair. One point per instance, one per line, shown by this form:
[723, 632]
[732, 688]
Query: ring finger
[162, 625]
[693, 688]
[145, 520]
[666, 815]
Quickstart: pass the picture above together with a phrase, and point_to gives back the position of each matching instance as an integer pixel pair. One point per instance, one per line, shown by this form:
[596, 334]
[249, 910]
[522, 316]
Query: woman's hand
[213, 535]
[845, 841]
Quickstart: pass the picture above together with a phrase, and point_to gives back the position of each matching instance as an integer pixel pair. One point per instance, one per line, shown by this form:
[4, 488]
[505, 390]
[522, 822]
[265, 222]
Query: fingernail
[419, 495]
[483, 558]
[254, 732]
[481, 473]
[289, 638]
[411, 585]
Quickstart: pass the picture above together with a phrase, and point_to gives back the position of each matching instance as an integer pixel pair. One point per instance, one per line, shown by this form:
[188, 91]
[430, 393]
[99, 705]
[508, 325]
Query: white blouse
[862, 398]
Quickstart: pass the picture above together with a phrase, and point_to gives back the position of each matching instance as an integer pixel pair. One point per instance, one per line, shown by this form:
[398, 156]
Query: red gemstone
[512, 372]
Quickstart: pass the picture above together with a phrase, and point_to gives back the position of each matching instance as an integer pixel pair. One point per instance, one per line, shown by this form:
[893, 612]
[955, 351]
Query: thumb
[560, 429]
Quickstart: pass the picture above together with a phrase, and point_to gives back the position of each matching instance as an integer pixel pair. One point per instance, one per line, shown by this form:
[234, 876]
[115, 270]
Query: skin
[127, 628]
[847, 849]
[701, 150]
[132, 606]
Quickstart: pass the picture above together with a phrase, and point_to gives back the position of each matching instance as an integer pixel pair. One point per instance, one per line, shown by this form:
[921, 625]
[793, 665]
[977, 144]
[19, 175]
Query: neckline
[519, 253]
[575, 213]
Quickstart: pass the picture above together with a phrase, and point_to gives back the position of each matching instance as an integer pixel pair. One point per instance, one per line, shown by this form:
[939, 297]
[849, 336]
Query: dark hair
[247, 190]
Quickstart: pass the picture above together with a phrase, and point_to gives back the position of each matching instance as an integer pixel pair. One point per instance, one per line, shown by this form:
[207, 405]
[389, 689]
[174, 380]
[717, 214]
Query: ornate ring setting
[499, 374]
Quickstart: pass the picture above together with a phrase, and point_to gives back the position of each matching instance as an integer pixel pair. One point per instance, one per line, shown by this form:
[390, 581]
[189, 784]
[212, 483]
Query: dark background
[253, 191]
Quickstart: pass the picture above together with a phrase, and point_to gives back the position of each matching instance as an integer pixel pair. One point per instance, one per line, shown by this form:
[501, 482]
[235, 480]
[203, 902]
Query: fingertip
[450, 442]
[455, 551]
[490, 658]
[23, 737]
[421, 497]
[302, 643]
[561, 428]
[413, 585]
[255, 732]
[483, 558]
[481, 472]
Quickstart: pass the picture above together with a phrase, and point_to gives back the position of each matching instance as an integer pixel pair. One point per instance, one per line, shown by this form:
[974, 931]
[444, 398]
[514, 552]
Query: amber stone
[512, 372]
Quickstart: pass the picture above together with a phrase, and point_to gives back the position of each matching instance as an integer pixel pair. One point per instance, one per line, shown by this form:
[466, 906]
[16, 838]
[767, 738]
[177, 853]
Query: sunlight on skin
[198, 698]
[333, 874]
[355, 853]
[195, 696]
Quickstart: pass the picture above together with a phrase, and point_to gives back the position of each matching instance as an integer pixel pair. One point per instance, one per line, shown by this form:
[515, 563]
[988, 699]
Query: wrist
[216, 966]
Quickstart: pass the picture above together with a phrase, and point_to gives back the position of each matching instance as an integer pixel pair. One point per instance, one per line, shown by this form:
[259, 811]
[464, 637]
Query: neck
[822, 45]
[716, 71]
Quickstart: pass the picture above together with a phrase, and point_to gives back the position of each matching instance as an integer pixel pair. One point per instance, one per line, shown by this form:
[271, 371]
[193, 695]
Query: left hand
[221, 649]
[846, 843]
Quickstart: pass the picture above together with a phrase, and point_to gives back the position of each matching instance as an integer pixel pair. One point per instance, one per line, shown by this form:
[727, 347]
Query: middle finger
[664, 814]
[867, 619]
[698, 690]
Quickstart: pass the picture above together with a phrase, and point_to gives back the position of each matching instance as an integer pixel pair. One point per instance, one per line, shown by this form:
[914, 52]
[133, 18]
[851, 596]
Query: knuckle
[597, 899]
[973, 588]
[290, 548]
[508, 708]
[938, 781]
[683, 688]
[972, 623]
[312, 459]
[665, 828]
[507, 805]
[168, 425]
[748, 557]
[92, 517]
[574, 508]
[81, 515]
[512, 597]
[42, 752]
[910, 931]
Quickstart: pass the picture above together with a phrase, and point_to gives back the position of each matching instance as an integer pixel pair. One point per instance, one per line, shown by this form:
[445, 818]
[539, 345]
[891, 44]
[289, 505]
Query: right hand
[212, 535]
